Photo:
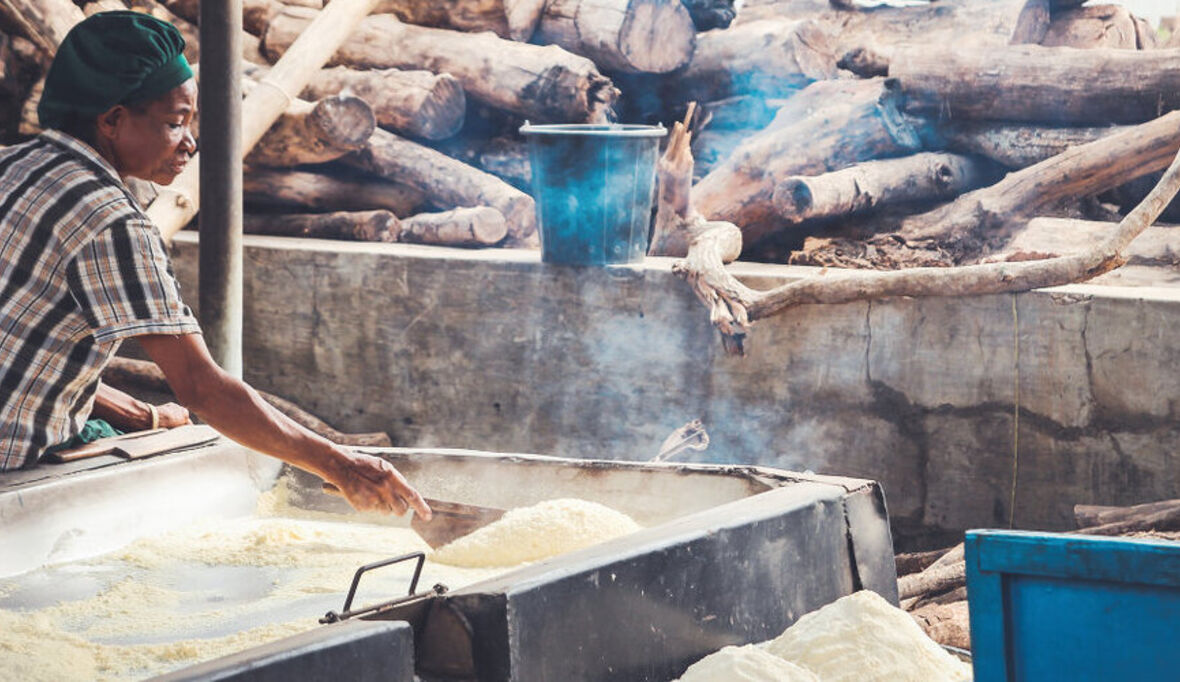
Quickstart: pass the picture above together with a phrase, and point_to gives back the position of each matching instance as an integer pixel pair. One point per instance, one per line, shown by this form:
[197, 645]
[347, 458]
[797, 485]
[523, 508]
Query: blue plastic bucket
[593, 188]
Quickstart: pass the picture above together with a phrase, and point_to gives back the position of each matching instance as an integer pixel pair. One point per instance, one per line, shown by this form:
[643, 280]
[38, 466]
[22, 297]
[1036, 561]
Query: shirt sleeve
[123, 283]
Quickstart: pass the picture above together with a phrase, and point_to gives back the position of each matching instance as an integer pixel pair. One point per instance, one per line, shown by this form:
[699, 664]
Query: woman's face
[151, 141]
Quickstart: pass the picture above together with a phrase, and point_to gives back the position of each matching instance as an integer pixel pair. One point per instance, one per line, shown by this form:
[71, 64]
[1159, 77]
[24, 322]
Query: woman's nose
[189, 143]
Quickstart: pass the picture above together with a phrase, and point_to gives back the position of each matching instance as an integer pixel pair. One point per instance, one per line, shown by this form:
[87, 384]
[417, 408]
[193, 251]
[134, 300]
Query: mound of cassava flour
[532, 533]
[863, 638]
[746, 664]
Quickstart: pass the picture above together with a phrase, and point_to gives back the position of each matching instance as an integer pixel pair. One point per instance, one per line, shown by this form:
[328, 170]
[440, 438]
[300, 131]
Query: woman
[82, 268]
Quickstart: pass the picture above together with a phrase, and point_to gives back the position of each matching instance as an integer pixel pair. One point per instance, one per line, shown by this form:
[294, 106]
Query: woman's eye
[175, 126]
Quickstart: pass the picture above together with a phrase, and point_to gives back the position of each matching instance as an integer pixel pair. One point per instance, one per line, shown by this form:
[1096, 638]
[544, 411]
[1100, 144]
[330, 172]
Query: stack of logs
[886, 136]
[933, 585]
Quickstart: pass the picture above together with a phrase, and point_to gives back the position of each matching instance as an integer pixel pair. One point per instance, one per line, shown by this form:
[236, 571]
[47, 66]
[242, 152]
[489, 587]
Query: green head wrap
[112, 58]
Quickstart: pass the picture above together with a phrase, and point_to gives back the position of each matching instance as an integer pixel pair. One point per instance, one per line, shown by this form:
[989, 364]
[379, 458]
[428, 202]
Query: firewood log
[314, 133]
[44, 22]
[416, 103]
[1158, 516]
[542, 83]
[179, 202]
[321, 191]
[1053, 237]
[951, 22]
[710, 14]
[1044, 85]
[448, 183]
[1109, 26]
[933, 580]
[949, 624]
[1018, 145]
[769, 58]
[922, 177]
[256, 14]
[916, 562]
[361, 226]
[652, 36]
[192, 39]
[1146, 37]
[21, 65]
[476, 226]
[126, 373]
[828, 125]
[511, 19]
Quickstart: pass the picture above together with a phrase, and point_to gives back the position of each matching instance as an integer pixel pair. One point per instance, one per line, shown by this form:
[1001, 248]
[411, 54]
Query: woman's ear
[107, 125]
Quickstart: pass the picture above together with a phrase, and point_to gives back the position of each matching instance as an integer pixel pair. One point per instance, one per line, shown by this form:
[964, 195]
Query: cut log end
[793, 200]
[443, 109]
[348, 121]
[657, 36]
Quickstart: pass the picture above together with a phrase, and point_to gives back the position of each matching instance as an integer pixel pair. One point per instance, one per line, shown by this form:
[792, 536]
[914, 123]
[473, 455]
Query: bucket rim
[595, 129]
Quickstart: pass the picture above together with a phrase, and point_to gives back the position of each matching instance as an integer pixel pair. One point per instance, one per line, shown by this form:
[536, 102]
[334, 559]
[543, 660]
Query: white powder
[532, 533]
[863, 638]
[746, 664]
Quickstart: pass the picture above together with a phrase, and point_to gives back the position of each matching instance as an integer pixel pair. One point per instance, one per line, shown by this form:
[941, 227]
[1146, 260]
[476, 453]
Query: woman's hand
[172, 415]
[373, 484]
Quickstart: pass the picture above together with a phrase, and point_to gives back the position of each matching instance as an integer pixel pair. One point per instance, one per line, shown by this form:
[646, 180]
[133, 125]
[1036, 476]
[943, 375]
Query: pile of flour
[538, 532]
[858, 638]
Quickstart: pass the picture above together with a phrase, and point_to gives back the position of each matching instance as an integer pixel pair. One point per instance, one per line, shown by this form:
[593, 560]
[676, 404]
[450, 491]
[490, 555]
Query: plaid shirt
[81, 269]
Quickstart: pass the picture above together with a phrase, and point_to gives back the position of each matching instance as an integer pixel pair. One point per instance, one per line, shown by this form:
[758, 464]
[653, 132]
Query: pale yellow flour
[746, 664]
[863, 638]
[538, 532]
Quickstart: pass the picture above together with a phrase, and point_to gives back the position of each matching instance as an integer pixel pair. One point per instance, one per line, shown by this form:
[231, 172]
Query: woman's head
[120, 82]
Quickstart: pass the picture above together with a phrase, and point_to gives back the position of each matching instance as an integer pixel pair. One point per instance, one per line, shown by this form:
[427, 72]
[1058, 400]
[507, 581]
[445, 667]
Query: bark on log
[256, 14]
[360, 226]
[770, 58]
[1106, 26]
[1090, 515]
[1038, 84]
[178, 203]
[947, 22]
[916, 562]
[933, 580]
[417, 103]
[511, 19]
[1166, 519]
[1146, 37]
[949, 624]
[1018, 145]
[128, 373]
[1053, 237]
[927, 176]
[963, 226]
[743, 305]
[542, 83]
[447, 182]
[315, 133]
[44, 22]
[328, 192]
[478, 226]
[828, 125]
[640, 36]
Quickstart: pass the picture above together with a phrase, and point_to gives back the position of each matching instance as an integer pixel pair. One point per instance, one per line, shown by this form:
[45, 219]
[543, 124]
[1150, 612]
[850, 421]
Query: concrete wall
[496, 351]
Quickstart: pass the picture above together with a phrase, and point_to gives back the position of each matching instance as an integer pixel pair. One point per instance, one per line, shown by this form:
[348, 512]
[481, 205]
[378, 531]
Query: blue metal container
[1048, 606]
[593, 187]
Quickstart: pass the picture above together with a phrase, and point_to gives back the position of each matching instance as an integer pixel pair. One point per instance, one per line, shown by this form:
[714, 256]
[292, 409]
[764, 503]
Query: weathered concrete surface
[493, 350]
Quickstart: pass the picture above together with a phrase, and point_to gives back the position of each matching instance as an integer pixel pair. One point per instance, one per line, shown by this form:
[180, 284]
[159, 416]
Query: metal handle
[346, 612]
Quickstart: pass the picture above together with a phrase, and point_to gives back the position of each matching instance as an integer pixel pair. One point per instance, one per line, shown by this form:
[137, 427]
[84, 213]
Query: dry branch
[363, 226]
[652, 36]
[127, 373]
[745, 305]
[447, 182]
[542, 83]
[327, 192]
[864, 186]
